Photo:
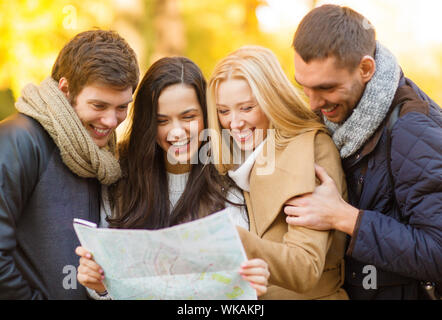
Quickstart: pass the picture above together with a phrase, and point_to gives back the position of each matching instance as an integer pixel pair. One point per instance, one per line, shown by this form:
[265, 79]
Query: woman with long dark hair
[164, 182]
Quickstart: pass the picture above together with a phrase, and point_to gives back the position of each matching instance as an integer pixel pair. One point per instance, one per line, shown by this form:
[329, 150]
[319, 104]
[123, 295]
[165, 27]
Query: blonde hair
[282, 103]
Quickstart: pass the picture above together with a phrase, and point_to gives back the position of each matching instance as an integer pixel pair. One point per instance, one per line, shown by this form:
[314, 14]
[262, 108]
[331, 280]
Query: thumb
[322, 174]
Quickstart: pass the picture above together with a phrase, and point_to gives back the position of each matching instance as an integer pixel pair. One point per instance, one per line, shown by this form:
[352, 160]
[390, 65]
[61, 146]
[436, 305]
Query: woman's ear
[367, 68]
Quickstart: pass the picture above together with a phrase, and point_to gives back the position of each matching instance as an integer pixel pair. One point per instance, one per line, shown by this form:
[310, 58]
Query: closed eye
[247, 108]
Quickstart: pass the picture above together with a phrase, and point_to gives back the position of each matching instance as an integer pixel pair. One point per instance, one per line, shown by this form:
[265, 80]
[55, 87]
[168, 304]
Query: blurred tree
[218, 27]
[169, 29]
[32, 32]
[6, 103]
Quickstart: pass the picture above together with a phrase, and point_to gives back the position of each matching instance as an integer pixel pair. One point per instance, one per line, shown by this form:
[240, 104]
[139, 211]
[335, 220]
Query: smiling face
[334, 91]
[239, 112]
[180, 121]
[100, 108]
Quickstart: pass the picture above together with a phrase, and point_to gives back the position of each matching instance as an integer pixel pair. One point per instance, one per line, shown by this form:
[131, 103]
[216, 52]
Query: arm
[302, 250]
[19, 169]
[413, 249]
[324, 209]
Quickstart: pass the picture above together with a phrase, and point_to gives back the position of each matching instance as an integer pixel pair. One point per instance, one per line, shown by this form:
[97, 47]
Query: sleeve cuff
[355, 234]
[94, 295]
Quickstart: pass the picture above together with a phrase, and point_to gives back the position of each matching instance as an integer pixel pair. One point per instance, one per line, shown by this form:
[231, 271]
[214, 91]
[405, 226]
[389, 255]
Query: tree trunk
[170, 37]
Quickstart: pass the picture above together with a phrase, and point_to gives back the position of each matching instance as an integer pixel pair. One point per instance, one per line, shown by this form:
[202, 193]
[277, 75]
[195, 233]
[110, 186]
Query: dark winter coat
[400, 235]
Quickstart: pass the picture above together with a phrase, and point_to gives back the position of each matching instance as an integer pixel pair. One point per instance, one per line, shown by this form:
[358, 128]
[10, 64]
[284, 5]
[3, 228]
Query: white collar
[241, 175]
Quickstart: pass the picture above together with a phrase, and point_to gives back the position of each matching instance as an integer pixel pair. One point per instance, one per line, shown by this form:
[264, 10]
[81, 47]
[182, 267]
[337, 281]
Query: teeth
[180, 143]
[102, 131]
[330, 109]
[244, 135]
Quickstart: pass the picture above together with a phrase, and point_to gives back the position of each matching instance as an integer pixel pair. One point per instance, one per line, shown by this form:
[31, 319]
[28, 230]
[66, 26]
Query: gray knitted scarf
[371, 109]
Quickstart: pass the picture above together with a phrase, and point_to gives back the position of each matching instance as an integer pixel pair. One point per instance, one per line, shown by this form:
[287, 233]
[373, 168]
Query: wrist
[346, 219]
[101, 293]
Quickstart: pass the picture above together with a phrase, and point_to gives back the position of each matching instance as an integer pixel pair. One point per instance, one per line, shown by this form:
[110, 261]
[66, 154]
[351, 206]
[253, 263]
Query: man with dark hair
[54, 154]
[388, 133]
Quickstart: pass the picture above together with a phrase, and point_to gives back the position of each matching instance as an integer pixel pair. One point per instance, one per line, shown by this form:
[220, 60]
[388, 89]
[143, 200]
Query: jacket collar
[293, 175]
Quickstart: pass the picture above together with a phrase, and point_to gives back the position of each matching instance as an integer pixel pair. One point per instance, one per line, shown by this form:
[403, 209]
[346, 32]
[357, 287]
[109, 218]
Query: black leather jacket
[39, 197]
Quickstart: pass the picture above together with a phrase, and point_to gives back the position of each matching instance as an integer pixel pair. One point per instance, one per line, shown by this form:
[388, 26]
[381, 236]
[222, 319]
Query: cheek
[122, 115]
[83, 114]
[224, 121]
[162, 137]
[260, 120]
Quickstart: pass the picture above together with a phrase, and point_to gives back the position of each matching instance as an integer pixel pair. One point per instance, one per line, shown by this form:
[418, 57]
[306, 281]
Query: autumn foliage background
[32, 32]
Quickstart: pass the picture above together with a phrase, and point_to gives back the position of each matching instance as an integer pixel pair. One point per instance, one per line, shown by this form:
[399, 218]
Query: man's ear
[367, 68]
[63, 85]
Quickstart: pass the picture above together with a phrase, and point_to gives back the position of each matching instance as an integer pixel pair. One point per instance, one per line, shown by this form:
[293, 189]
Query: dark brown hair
[332, 30]
[96, 56]
[141, 197]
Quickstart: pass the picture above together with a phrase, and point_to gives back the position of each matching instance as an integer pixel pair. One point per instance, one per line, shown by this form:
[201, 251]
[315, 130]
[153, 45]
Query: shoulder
[317, 142]
[324, 140]
[416, 104]
[418, 118]
[312, 139]
[23, 129]
[328, 157]
[23, 140]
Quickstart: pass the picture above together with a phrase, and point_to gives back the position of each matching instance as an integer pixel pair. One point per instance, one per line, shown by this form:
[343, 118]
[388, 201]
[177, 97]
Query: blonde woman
[279, 140]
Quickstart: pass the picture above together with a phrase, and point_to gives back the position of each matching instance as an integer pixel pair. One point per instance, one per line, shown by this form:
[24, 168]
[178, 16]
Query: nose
[315, 99]
[177, 132]
[110, 119]
[236, 122]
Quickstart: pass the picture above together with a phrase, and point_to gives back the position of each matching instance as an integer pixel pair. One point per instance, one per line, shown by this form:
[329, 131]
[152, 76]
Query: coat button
[361, 180]
[353, 275]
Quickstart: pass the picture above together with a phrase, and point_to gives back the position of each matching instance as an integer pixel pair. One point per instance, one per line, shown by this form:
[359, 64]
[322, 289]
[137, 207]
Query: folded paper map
[197, 260]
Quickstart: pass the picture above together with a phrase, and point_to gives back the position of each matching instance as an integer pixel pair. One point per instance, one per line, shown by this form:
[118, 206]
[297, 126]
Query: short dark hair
[332, 30]
[97, 56]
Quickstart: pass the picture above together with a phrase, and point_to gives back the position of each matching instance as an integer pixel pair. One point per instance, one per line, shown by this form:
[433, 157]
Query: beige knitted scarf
[48, 105]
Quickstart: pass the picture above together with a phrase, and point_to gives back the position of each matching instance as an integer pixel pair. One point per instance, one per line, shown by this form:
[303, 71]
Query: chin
[101, 144]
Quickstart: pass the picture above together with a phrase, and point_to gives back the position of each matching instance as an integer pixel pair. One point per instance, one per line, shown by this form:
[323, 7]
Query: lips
[330, 111]
[243, 136]
[101, 132]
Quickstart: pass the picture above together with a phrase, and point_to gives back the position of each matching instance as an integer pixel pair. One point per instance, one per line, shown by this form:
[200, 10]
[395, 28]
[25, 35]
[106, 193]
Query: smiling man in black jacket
[54, 154]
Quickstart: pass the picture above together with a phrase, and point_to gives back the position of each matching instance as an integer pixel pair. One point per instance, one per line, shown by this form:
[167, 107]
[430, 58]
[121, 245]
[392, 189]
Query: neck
[178, 168]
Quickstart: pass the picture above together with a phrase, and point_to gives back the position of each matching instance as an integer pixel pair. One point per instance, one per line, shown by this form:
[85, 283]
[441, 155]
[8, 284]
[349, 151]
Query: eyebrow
[106, 103]
[182, 113]
[239, 103]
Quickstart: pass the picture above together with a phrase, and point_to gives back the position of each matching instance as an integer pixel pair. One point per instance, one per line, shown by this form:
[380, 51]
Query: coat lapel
[293, 175]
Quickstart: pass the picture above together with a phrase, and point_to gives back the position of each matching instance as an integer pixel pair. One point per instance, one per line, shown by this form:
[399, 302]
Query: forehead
[105, 93]
[232, 91]
[177, 98]
[319, 71]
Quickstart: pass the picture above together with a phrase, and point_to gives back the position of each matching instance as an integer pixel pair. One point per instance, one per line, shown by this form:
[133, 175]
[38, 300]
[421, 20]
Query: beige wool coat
[303, 263]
